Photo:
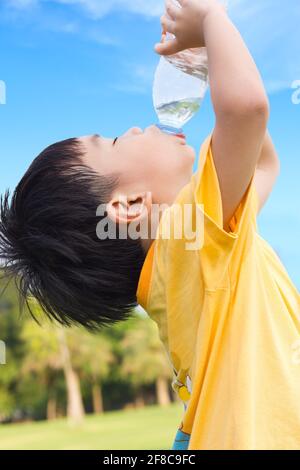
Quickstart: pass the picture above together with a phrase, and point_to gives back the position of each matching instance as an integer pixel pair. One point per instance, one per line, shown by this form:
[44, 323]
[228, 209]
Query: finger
[168, 47]
[163, 31]
[168, 25]
[172, 10]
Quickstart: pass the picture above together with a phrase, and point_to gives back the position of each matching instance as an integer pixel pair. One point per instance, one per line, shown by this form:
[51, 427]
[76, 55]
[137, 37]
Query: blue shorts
[181, 441]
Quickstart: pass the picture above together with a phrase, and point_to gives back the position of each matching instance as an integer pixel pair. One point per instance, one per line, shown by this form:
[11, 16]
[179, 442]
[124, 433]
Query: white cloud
[99, 8]
[269, 27]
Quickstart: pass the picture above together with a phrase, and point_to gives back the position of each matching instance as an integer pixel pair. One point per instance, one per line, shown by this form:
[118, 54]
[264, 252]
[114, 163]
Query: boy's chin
[188, 155]
[192, 153]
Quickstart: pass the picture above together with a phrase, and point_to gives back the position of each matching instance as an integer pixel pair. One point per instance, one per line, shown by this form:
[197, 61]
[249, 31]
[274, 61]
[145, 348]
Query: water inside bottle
[178, 113]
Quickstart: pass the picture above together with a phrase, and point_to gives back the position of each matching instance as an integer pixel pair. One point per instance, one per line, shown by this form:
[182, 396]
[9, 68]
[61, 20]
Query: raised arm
[241, 108]
[239, 99]
[267, 170]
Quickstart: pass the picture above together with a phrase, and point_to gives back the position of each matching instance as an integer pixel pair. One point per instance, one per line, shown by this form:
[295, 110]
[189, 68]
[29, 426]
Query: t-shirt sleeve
[208, 194]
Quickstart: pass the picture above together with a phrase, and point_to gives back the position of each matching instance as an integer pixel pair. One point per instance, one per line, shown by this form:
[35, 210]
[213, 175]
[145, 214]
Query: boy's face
[151, 161]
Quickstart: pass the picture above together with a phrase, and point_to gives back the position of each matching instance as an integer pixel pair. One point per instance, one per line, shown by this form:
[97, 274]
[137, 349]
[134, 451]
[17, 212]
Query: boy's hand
[186, 24]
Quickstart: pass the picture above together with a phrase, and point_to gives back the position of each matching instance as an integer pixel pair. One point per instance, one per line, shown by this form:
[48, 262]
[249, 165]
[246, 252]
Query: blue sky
[75, 67]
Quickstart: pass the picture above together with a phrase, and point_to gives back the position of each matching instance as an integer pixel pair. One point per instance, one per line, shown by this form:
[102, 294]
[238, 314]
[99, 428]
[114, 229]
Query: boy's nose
[133, 131]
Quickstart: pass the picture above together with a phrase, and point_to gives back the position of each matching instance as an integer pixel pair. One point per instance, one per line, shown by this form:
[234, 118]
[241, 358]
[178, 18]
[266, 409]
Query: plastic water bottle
[180, 84]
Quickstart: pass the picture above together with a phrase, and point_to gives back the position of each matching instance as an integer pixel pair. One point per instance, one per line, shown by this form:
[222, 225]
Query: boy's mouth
[182, 136]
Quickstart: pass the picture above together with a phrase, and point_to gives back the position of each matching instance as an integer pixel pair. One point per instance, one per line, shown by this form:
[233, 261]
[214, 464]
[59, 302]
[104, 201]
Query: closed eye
[115, 140]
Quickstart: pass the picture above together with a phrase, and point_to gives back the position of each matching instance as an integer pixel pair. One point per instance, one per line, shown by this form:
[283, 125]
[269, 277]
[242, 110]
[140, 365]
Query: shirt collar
[145, 278]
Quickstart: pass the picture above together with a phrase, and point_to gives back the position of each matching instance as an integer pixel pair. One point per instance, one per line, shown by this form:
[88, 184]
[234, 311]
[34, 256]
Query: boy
[227, 312]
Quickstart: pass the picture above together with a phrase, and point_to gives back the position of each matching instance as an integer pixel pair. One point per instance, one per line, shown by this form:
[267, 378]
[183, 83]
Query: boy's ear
[127, 209]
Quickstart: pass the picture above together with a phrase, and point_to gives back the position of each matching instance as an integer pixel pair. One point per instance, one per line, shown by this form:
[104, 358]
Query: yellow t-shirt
[229, 317]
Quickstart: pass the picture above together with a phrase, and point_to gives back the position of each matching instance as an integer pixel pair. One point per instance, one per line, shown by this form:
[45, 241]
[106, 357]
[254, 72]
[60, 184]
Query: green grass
[150, 428]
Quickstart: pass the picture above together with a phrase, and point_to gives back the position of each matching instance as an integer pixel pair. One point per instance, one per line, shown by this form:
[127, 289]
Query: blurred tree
[75, 409]
[145, 360]
[10, 334]
[47, 352]
[42, 360]
[49, 368]
[92, 357]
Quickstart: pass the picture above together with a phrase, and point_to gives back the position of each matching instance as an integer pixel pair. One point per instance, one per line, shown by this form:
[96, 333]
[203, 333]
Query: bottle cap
[171, 130]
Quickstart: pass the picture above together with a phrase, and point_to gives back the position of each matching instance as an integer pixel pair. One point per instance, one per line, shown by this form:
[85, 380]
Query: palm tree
[75, 409]
[92, 357]
[47, 353]
[145, 360]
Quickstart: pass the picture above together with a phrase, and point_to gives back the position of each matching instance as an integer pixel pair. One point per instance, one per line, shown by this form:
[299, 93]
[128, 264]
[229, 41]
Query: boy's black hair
[49, 245]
